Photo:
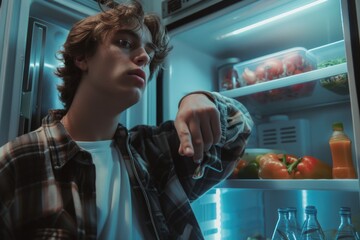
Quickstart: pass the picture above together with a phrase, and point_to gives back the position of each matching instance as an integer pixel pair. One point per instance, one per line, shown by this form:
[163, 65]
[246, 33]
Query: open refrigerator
[293, 113]
[33, 30]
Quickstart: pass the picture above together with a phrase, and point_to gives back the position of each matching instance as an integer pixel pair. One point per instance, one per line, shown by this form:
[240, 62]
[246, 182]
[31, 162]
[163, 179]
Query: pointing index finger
[186, 147]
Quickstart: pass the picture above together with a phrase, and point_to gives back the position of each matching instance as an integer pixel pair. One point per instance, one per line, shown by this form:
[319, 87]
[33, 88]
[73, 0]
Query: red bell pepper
[312, 168]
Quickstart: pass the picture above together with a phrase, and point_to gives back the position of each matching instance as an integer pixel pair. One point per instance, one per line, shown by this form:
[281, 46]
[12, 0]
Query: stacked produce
[282, 166]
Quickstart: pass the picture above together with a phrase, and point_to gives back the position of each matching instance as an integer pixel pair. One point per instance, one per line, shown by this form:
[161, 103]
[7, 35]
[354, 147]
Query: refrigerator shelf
[287, 81]
[348, 185]
[319, 96]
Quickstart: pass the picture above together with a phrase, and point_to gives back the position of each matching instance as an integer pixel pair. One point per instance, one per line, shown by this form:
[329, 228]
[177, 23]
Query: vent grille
[173, 6]
[291, 136]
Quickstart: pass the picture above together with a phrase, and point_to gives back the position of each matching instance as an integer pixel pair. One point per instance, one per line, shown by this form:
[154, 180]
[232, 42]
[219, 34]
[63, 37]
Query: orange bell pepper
[275, 166]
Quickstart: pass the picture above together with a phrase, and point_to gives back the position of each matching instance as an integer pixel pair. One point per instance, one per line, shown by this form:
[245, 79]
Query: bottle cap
[338, 126]
[282, 210]
[310, 209]
[345, 210]
[291, 209]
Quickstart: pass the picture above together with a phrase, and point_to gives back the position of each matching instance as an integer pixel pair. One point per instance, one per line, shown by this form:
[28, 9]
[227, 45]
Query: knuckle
[198, 142]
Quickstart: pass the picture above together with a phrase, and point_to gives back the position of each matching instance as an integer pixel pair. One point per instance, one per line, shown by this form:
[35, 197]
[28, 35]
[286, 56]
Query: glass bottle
[346, 230]
[340, 146]
[311, 229]
[281, 225]
[293, 231]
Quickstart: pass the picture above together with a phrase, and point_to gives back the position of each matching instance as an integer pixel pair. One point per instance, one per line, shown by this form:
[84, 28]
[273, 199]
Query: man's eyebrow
[136, 36]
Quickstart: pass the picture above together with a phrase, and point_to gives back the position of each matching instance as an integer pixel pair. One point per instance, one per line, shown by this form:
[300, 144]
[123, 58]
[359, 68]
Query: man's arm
[213, 131]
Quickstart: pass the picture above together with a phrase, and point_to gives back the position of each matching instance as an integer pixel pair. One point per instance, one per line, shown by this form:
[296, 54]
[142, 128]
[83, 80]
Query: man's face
[119, 69]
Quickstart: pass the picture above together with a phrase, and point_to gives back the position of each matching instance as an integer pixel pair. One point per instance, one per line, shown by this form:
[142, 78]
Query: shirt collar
[61, 147]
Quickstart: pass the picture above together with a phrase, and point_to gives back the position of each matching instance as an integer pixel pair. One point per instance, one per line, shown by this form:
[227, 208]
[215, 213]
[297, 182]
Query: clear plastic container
[329, 55]
[276, 66]
[228, 76]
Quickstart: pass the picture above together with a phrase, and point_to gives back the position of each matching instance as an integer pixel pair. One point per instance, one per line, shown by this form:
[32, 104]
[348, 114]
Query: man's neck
[86, 121]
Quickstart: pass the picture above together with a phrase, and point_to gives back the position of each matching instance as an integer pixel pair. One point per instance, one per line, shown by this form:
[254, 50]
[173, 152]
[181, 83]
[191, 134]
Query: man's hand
[198, 126]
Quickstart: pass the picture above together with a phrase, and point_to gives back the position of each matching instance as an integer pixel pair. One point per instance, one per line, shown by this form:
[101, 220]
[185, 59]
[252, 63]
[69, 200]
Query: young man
[81, 175]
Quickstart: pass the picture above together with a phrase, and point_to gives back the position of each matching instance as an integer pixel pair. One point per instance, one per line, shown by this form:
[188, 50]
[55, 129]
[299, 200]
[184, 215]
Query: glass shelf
[318, 97]
[287, 81]
[351, 185]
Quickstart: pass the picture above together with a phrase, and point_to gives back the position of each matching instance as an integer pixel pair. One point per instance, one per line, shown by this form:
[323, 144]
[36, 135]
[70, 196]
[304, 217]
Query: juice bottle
[340, 146]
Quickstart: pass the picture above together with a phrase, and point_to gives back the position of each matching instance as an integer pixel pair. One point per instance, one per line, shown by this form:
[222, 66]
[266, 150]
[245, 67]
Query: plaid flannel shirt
[47, 182]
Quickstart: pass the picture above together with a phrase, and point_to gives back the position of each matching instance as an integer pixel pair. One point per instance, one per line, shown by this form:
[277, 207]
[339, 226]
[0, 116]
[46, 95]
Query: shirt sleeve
[220, 160]
[158, 148]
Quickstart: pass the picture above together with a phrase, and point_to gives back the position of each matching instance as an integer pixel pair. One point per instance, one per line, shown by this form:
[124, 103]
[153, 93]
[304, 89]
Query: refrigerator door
[34, 31]
[39, 93]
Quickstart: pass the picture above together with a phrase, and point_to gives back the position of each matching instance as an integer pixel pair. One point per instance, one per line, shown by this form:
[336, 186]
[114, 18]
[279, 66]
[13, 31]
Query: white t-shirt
[115, 214]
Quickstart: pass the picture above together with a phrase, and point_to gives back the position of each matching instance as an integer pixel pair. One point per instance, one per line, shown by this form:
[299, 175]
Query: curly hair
[85, 36]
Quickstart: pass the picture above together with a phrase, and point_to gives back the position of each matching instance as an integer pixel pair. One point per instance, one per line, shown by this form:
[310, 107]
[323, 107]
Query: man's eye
[125, 43]
[151, 55]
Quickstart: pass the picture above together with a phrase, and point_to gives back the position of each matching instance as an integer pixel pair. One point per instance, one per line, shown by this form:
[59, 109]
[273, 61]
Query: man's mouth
[138, 72]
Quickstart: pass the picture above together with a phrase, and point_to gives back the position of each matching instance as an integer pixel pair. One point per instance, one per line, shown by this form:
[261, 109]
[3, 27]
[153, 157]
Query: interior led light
[269, 20]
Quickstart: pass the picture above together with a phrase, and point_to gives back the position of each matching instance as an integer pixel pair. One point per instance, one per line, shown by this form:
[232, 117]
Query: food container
[276, 66]
[330, 55]
[228, 76]
[337, 84]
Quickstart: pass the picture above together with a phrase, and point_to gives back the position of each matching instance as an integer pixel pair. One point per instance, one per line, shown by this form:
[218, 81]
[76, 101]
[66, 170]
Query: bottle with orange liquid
[340, 145]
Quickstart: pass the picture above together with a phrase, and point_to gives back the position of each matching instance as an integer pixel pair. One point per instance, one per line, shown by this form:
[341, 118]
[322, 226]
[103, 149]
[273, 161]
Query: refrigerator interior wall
[188, 69]
[249, 32]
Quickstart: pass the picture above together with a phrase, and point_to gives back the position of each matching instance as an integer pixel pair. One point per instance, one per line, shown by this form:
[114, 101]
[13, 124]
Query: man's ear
[81, 62]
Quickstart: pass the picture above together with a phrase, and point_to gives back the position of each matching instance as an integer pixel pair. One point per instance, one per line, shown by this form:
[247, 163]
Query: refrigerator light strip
[218, 213]
[269, 20]
[304, 201]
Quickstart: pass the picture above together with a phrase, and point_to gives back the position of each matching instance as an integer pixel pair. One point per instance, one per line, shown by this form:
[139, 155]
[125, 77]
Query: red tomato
[290, 68]
[296, 59]
[275, 93]
[298, 87]
[273, 68]
[260, 97]
[297, 71]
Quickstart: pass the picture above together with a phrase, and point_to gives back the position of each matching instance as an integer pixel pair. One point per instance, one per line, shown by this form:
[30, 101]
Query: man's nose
[141, 57]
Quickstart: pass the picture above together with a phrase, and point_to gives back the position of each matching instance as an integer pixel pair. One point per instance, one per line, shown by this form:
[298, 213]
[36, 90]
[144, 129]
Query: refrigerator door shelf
[349, 185]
